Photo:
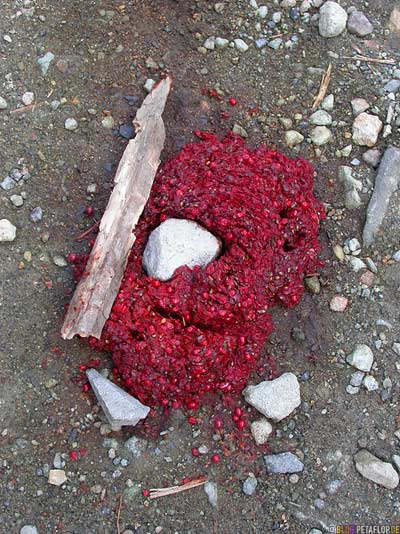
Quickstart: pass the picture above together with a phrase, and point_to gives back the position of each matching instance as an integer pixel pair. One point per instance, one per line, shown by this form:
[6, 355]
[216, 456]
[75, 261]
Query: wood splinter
[95, 294]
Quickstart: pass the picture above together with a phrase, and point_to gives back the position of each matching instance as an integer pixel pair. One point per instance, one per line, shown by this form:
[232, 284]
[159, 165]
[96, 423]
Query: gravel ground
[60, 144]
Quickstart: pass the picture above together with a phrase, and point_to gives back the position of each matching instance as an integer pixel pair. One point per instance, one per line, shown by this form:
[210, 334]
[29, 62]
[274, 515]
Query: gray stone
[28, 529]
[321, 118]
[60, 261]
[120, 408]
[357, 378]
[209, 43]
[178, 242]
[293, 138]
[370, 383]
[16, 200]
[313, 284]
[262, 12]
[358, 24]
[135, 446]
[36, 215]
[275, 43]
[396, 348]
[315, 531]
[351, 187]
[71, 124]
[241, 45]
[386, 183]
[261, 430]
[352, 390]
[372, 157]
[211, 491]
[127, 131]
[28, 98]
[276, 399]
[250, 484]
[8, 231]
[3, 103]
[392, 86]
[260, 42]
[8, 183]
[396, 461]
[358, 105]
[221, 42]
[356, 264]
[328, 103]
[372, 468]
[396, 256]
[332, 19]
[361, 358]
[333, 486]
[366, 129]
[284, 462]
[320, 135]
[108, 122]
[239, 130]
[44, 62]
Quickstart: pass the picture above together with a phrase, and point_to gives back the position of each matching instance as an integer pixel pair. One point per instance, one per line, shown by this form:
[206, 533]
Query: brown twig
[87, 232]
[162, 492]
[25, 108]
[359, 57]
[119, 514]
[326, 78]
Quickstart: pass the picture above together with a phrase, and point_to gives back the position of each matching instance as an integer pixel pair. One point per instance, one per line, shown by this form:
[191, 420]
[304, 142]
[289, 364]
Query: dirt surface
[101, 49]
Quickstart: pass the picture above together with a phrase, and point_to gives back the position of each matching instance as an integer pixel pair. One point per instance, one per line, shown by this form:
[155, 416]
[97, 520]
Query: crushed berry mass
[203, 331]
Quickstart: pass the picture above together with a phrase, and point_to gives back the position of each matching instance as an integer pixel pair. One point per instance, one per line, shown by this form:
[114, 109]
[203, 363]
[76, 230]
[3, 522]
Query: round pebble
[71, 124]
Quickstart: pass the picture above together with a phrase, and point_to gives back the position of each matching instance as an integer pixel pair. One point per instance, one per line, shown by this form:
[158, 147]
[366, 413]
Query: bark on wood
[95, 294]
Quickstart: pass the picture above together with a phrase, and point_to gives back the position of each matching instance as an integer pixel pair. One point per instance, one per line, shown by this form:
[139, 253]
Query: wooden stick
[99, 285]
[119, 514]
[162, 492]
[358, 57]
[326, 78]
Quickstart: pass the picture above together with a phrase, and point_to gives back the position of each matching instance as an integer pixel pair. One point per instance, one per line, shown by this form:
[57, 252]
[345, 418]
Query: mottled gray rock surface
[332, 19]
[283, 462]
[178, 242]
[386, 183]
[120, 408]
[380, 472]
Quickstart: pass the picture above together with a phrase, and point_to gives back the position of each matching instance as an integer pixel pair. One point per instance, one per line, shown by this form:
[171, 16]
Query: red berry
[215, 458]
[241, 424]
[85, 388]
[145, 493]
[73, 455]
[192, 420]
[195, 452]
[232, 101]
[218, 424]
[71, 257]
[89, 211]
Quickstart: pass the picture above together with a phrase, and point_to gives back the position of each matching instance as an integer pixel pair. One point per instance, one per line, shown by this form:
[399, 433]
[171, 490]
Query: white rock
[372, 468]
[28, 529]
[328, 103]
[361, 358]
[321, 118]
[356, 264]
[366, 129]
[209, 43]
[370, 383]
[178, 242]
[120, 408]
[211, 490]
[7, 231]
[261, 430]
[332, 19]
[220, 42]
[71, 124]
[262, 12]
[293, 138]
[241, 45]
[3, 103]
[320, 135]
[276, 399]
[57, 477]
[44, 62]
[148, 85]
[28, 98]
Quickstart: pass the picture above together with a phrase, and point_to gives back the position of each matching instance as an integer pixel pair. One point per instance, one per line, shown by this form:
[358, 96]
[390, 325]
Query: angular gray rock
[276, 399]
[351, 188]
[332, 19]
[250, 484]
[120, 408]
[7, 231]
[211, 490]
[380, 472]
[361, 358]
[28, 529]
[386, 183]
[44, 62]
[178, 242]
[358, 24]
[282, 463]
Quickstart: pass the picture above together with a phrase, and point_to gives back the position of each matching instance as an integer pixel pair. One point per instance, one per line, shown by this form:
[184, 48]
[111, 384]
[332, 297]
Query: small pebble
[28, 98]
[3, 103]
[8, 231]
[36, 214]
[71, 124]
